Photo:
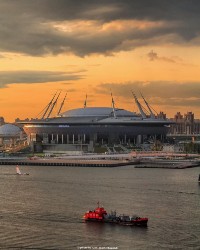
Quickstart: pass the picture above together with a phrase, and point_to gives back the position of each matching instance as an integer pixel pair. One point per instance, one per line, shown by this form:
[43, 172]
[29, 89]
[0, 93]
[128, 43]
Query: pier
[68, 162]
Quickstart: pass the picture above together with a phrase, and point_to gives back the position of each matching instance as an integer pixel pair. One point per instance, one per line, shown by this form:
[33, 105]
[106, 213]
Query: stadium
[84, 128]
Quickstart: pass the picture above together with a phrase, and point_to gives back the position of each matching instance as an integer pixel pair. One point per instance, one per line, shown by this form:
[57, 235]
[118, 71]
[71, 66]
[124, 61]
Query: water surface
[44, 210]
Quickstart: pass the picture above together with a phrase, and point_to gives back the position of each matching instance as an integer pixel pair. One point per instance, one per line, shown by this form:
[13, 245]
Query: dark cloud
[11, 77]
[104, 10]
[29, 27]
[158, 93]
[153, 56]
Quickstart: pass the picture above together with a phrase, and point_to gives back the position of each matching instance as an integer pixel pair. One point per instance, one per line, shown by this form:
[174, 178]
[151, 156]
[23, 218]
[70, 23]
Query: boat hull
[138, 223]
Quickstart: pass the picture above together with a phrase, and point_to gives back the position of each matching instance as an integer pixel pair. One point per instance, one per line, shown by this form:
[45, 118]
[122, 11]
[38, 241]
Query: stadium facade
[84, 128]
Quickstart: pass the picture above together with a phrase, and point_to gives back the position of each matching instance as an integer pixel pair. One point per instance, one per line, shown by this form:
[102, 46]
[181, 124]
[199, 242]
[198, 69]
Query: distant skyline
[95, 47]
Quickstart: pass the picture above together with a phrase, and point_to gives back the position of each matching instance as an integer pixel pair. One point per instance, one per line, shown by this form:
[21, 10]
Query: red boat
[100, 215]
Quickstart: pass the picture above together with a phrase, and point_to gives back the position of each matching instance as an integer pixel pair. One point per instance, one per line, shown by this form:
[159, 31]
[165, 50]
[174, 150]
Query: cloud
[80, 27]
[12, 77]
[178, 102]
[153, 56]
[157, 92]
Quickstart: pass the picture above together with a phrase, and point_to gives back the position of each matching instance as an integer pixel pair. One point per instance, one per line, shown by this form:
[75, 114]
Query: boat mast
[48, 106]
[53, 105]
[139, 106]
[85, 103]
[113, 106]
[61, 105]
[151, 112]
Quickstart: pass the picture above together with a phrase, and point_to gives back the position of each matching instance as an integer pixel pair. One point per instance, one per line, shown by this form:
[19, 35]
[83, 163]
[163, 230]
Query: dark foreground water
[44, 210]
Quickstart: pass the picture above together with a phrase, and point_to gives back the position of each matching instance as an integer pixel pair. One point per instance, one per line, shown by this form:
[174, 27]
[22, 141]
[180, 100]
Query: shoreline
[99, 162]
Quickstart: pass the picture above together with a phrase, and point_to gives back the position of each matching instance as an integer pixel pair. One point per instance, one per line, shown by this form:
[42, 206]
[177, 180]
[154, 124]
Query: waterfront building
[84, 128]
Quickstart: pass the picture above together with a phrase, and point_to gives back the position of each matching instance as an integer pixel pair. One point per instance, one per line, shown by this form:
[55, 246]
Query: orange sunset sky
[97, 47]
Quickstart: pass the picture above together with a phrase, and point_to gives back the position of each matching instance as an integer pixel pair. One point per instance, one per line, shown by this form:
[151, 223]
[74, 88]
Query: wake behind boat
[18, 172]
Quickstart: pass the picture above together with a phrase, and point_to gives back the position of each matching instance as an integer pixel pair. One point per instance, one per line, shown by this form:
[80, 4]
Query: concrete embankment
[99, 162]
[68, 162]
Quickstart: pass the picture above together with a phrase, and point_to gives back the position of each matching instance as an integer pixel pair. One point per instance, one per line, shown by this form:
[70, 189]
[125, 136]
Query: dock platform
[168, 164]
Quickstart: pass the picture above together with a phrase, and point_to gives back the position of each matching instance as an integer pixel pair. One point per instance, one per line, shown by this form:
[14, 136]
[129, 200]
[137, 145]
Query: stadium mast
[139, 106]
[49, 105]
[151, 112]
[61, 105]
[85, 103]
[113, 106]
[53, 105]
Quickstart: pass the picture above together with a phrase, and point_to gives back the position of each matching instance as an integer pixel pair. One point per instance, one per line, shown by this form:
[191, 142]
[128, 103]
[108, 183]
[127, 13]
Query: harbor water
[43, 210]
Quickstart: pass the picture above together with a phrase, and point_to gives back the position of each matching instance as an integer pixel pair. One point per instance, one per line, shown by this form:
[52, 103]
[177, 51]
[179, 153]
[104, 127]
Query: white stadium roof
[96, 112]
